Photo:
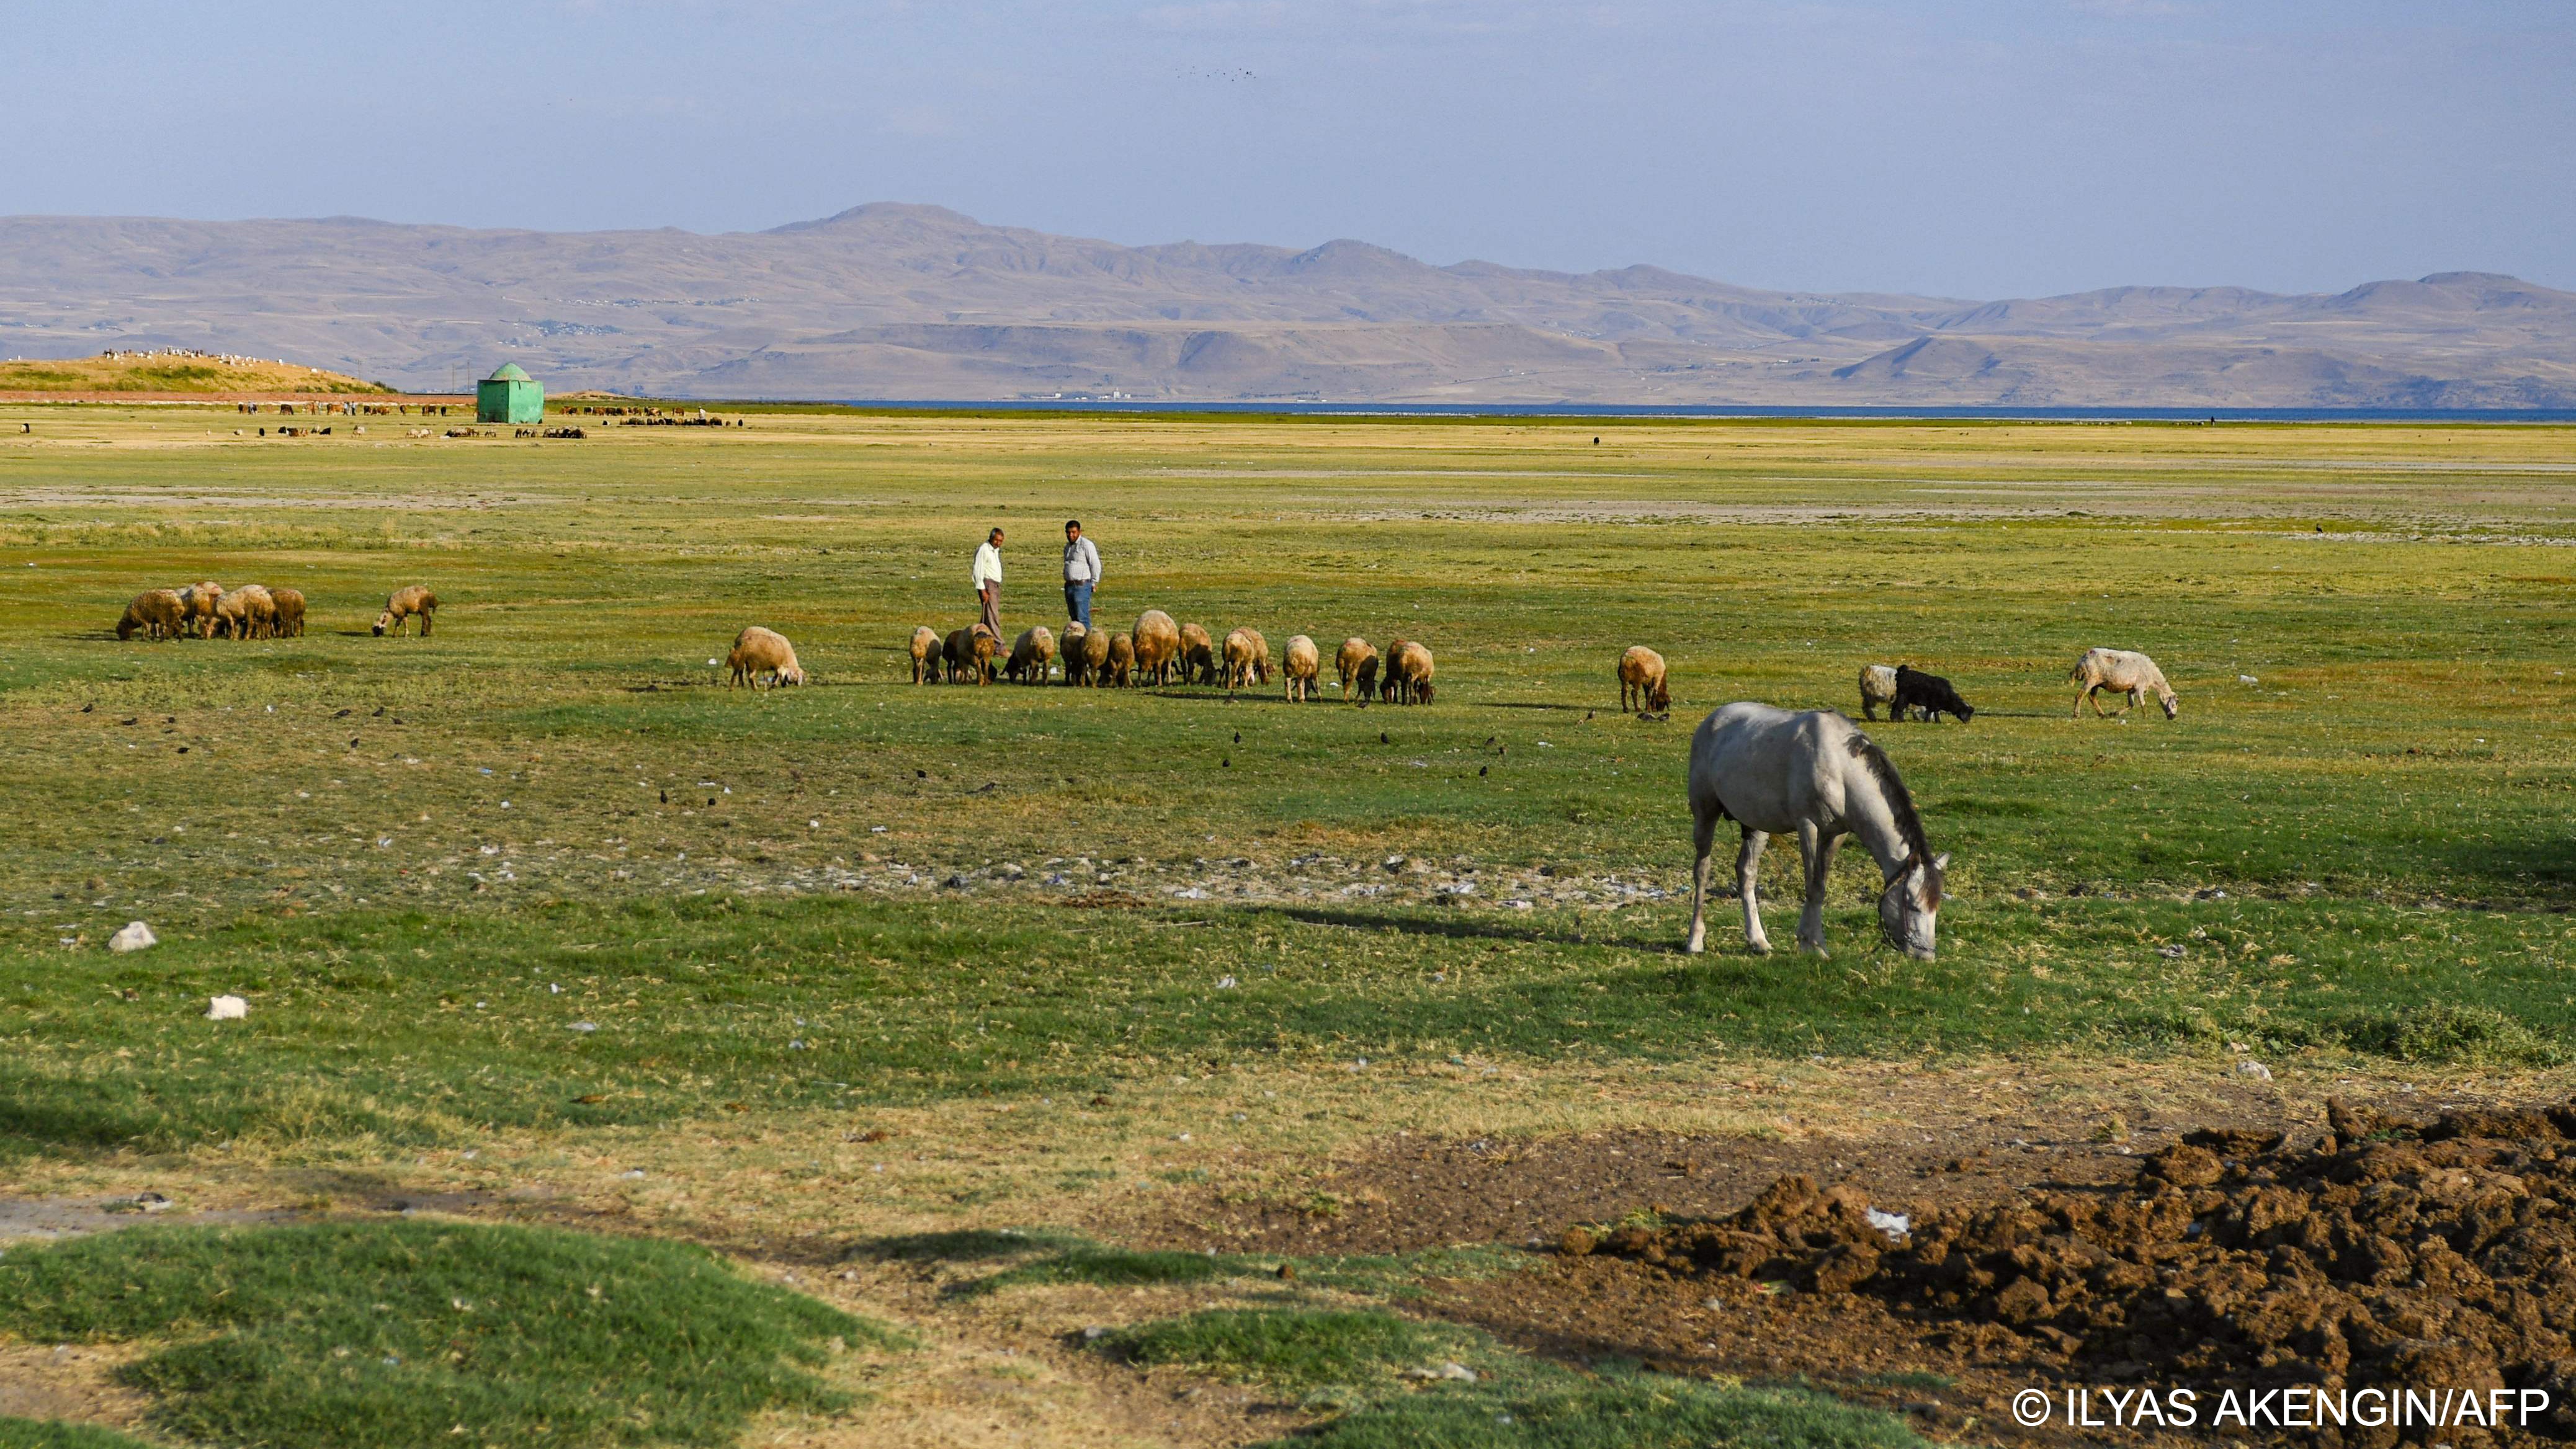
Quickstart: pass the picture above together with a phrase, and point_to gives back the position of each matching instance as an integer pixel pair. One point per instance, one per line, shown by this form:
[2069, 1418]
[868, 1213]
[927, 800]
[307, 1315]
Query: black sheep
[1930, 693]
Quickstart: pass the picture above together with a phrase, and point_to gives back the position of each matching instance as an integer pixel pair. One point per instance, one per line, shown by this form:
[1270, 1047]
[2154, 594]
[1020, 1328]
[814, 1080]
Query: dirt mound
[2387, 1254]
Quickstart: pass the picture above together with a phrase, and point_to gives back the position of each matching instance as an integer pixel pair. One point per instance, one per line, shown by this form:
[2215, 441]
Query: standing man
[1081, 572]
[988, 581]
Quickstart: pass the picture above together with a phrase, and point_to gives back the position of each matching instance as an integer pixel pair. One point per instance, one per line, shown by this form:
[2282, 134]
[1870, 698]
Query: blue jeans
[1077, 603]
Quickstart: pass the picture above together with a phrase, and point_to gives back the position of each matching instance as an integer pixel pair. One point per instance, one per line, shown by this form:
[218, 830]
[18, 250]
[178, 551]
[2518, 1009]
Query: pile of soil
[2387, 1254]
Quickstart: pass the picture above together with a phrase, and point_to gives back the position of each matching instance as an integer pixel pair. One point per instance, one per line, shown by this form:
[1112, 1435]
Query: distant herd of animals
[1159, 651]
[251, 611]
[1772, 771]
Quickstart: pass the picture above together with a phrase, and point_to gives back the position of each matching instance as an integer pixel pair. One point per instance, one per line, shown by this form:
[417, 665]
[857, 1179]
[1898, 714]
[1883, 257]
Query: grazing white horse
[1772, 771]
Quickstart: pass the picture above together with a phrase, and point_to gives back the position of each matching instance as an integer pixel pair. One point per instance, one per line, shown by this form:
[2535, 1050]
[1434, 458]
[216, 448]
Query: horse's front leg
[1816, 848]
[1746, 861]
[1703, 840]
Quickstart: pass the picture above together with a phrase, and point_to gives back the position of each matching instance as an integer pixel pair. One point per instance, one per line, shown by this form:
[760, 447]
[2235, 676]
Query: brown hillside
[173, 371]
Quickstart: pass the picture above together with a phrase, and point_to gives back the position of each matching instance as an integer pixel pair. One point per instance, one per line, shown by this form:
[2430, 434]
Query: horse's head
[1910, 907]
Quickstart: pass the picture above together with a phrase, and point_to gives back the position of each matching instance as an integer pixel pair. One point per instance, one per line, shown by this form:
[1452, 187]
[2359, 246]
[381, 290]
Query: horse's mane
[1909, 824]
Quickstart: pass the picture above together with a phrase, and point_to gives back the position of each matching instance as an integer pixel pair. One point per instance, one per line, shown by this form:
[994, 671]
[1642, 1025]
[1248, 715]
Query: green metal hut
[509, 395]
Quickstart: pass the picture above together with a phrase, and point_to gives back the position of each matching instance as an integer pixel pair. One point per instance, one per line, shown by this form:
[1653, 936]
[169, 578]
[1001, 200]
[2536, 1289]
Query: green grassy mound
[399, 1334]
[53, 1434]
[1282, 1349]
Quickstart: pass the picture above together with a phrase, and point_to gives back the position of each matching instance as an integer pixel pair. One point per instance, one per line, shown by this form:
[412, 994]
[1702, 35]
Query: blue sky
[2009, 148]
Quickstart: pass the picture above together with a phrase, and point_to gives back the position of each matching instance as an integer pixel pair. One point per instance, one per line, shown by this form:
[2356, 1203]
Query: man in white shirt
[988, 581]
[1081, 572]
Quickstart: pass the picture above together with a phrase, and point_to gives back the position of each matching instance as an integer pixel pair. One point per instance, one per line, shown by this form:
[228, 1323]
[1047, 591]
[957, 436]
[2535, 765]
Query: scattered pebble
[2254, 1069]
[135, 937]
[227, 1008]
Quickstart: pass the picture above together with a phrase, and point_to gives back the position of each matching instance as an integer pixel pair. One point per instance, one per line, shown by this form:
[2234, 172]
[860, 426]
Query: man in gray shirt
[1081, 573]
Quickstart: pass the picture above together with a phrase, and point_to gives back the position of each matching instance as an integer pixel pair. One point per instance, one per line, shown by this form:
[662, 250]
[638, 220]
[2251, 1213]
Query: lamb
[970, 651]
[925, 655]
[1930, 694]
[1641, 677]
[1247, 659]
[759, 654]
[155, 614]
[1156, 642]
[1122, 660]
[415, 599]
[1198, 656]
[2121, 671]
[290, 612]
[248, 612]
[1357, 655]
[197, 601]
[1032, 655]
[1877, 687]
[1300, 665]
[1408, 673]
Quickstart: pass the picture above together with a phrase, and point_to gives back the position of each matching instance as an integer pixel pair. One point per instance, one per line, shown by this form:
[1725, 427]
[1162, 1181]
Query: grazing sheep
[406, 602]
[1097, 646]
[290, 612]
[1366, 680]
[925, 655]
[1198, 656]
[1299, 666]
[155, 614]
[1157, 643]
[2121, 671]
[1877, 687]
[1357, 654]
[1075, 662]
[1641, 677]
[970, 652]
[1930, 694]
[1122, 661]
[1031, 655]
[248, 612]
[1247, 659]
[197, 602]
[760, 654]
[1408, 673]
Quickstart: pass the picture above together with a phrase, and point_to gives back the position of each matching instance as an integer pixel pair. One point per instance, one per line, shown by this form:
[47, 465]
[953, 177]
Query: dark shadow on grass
[1462, 927]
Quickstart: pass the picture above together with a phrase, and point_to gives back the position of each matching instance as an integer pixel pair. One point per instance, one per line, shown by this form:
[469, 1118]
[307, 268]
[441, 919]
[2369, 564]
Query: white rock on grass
[2255, 1070]
[227, 1008]
[135, 937]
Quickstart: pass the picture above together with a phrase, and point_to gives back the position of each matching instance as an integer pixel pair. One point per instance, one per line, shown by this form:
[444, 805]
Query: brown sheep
[1156, 643]
[759, 654]
[1031, 655]
[969, 652]
[248, 612]
[406, 602]
[1122, 661]
[925, 655]
[1070, 647]
[1097, 646]
[1357, 660]
[197, 602]
[1247, 659]
[1641, 677]
[290, 612]
[155, 614]
[1408, 673]
[1198, 656]
[1299, 666]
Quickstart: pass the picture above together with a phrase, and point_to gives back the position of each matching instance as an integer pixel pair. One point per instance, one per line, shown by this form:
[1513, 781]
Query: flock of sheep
[1156, 652]
[1159, 651]
[249, 611]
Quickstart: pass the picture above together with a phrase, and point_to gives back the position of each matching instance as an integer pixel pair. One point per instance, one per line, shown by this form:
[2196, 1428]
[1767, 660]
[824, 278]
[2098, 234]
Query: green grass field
[539, 880]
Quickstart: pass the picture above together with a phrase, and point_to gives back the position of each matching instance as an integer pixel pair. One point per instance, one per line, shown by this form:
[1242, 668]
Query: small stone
[2254, 1070]
[227, 1008]
[135, 937]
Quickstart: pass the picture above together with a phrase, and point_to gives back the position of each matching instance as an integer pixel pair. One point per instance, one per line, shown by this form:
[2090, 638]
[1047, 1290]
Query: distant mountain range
[918, 302]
